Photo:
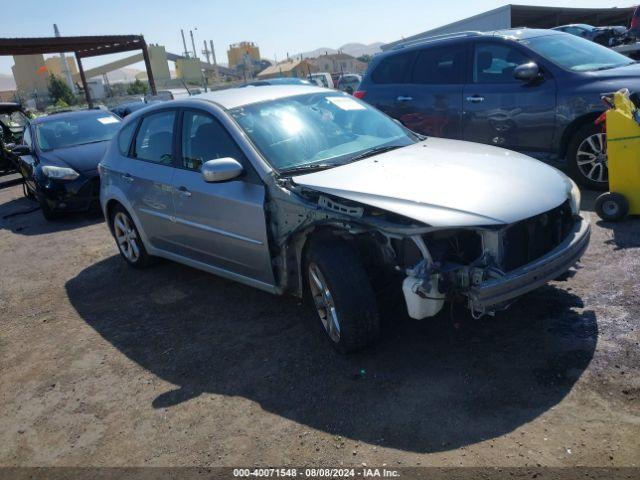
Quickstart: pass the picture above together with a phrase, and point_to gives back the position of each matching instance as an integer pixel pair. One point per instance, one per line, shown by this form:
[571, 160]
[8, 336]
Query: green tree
[364, 58]
[137, 88]
[60, 92]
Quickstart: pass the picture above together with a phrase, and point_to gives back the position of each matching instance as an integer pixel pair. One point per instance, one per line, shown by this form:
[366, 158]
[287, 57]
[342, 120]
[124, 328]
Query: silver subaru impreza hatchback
[311, 192]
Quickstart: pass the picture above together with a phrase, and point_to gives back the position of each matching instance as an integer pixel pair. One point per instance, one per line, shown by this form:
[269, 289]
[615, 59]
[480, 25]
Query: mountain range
[353, 49]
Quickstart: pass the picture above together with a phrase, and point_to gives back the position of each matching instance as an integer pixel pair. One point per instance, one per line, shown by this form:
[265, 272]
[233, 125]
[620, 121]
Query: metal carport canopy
[82, 47]
[549, 17]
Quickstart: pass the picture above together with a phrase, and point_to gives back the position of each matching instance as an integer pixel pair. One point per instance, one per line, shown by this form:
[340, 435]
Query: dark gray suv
[534, 91]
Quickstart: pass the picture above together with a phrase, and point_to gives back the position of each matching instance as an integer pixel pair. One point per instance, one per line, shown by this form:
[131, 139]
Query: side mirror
[527, 72]
[221, 169]
[21, 150]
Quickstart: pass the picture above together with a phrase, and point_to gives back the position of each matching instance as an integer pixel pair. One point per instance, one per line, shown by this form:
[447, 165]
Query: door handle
[475, 99]
[403, 98]
[127, 177]
[184, 192]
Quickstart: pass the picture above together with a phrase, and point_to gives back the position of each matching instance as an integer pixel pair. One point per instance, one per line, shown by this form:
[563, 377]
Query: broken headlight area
[444, 264]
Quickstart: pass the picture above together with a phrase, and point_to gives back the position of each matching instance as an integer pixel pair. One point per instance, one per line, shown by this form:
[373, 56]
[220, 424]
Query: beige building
[339, 63]
[237, 52]
[290, 68]
[54, 66]
[30, 74]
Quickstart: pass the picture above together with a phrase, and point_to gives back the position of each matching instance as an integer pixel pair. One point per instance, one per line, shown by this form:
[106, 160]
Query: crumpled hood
[81, 158]
[448, 183]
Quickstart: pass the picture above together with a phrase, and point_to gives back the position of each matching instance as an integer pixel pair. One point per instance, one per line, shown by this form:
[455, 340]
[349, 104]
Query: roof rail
[432, 38]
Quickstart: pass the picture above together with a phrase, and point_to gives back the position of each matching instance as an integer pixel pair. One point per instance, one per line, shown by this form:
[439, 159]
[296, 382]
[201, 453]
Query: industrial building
[242, 52]
[513, 16]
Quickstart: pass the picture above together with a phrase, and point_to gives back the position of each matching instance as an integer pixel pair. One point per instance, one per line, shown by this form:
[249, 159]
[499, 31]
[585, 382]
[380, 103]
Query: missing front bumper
[492, 294]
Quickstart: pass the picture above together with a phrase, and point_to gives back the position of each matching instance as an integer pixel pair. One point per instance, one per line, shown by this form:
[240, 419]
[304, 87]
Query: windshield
[575, 53]
[322, 128]
[69, 131]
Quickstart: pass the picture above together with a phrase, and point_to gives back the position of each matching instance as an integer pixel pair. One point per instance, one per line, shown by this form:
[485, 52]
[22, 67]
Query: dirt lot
[104, 365]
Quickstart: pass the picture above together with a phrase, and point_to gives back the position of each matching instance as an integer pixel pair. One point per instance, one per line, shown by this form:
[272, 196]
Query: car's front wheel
[128, 239]
[341, 293]
[587, 157]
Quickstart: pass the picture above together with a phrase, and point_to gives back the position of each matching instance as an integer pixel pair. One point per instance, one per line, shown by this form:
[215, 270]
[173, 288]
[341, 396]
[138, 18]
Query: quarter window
[495, 63]
[440, 65]
[203, 139]
[125, 136]
[154, 140]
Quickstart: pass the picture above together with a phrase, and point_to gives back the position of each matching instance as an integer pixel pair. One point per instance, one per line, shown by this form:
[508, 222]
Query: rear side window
[394, 69]
[440, 65]
[154, 140]
[125, 136]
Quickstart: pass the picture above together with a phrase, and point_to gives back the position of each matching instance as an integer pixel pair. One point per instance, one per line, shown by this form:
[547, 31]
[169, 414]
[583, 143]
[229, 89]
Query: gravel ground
[104, 365]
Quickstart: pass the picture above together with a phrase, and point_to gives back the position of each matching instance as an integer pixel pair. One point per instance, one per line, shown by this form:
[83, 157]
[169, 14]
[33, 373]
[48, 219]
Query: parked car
[12, 124]
[533, 91]
[124, 109]
[607, 36]
[322, 79]
[278, 81]
[309, 191]
[59, 159]
[349, 82]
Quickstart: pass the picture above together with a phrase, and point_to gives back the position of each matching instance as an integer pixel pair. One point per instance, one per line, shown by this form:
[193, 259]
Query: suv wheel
[587, 157]
[128, 239]
[342, 295]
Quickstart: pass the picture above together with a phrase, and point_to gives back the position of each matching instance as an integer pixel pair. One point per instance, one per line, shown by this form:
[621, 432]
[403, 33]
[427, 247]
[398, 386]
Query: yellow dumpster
[623, 151]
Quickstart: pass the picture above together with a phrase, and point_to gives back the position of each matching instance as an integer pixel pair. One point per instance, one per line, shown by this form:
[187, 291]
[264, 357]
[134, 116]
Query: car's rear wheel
[342, 295]
[587, 157]
[128, 239]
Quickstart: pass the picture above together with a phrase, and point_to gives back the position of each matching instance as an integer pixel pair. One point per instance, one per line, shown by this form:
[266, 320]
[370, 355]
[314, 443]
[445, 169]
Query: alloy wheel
[323, 301]
[126, 236]
[591, 158]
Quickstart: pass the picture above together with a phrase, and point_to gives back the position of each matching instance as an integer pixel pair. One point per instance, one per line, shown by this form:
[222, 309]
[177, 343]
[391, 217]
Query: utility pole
[193, 44]
[205, 52]
[185, 52]
[215, 64]
[63, 63]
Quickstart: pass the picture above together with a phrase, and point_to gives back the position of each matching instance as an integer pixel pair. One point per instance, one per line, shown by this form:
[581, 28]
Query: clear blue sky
[277, 26]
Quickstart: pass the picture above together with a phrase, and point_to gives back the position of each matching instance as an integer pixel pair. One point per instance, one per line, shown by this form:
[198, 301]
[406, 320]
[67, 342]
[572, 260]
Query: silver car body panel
[447, 183]
[254, 232]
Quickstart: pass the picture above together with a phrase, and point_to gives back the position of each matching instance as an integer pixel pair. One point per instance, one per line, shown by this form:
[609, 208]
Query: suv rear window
[394, 68]
[440, 65]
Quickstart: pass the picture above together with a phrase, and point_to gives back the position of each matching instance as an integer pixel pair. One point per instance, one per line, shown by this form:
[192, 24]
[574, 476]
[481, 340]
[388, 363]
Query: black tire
[48, 214]
[575, 170]
[612, 207]
[351, 292]
[142, 259]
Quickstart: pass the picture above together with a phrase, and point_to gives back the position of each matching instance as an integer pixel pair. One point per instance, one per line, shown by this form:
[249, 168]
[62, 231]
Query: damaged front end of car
[486, 267]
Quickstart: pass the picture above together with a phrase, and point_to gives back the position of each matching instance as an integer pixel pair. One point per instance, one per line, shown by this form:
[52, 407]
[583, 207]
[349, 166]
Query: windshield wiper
[308, 168]
[375, 151]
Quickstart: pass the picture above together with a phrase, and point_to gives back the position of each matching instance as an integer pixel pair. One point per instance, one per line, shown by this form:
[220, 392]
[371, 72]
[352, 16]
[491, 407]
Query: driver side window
[203, 139]
[495, 63]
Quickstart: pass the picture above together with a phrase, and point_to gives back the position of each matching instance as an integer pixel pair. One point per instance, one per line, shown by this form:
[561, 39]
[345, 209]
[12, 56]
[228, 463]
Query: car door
[389, 84]
[432, 98]
[145, 176]
[219, 224]
[27, 163]
[501, 110]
